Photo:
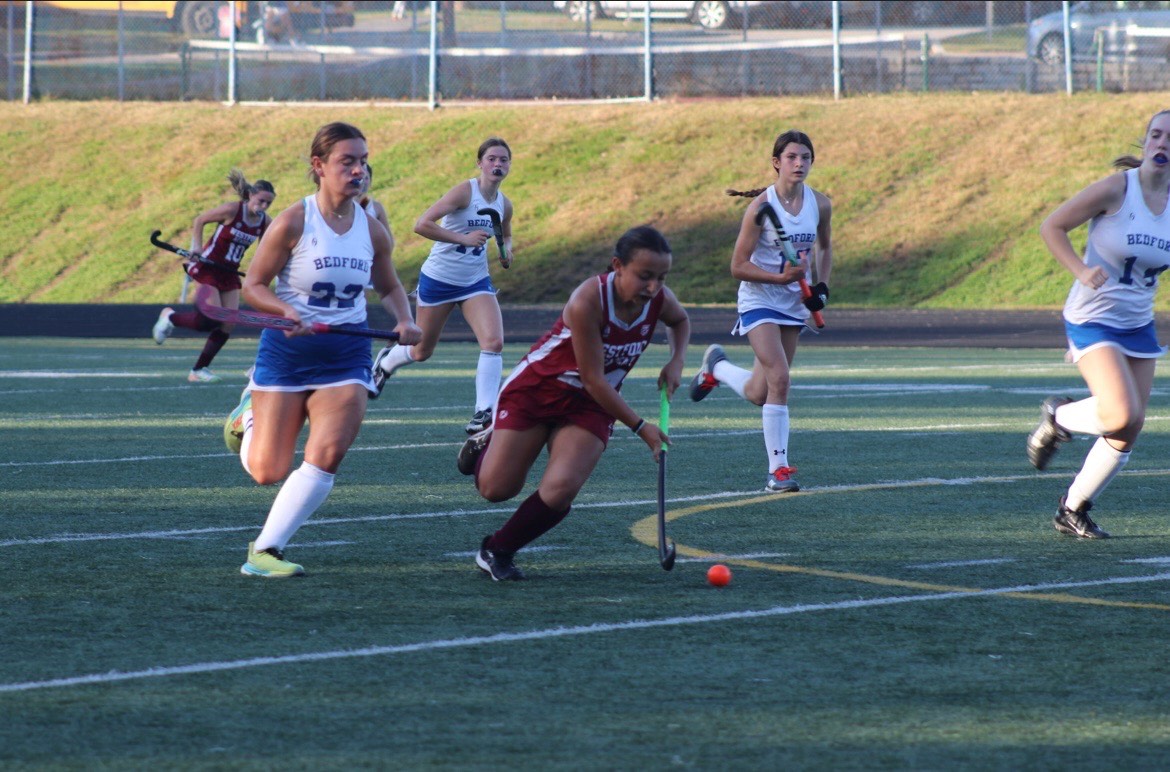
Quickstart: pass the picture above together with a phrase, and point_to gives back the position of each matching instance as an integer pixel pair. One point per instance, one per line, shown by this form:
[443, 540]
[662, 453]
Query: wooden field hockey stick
[497, 231]
[274, 322]
[186, 254]
[789, 251]
[666, 554]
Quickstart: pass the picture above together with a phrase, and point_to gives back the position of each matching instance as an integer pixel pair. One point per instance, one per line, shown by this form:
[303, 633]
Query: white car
[709, 14]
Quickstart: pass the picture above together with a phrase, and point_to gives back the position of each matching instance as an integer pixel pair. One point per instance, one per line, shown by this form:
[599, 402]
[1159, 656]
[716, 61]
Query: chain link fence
[426, 53]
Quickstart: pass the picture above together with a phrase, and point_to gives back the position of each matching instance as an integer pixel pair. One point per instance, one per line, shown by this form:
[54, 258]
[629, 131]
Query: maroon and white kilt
[529, 400]
[223, 278]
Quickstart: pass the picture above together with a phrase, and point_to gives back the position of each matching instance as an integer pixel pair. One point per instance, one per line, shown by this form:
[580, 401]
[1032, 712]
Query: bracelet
[636, 428]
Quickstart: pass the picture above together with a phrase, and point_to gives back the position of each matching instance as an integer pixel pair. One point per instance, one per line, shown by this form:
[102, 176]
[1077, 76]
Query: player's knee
[267, 473]
[1121, 419]
[492, 345]
[420, 352]
[496, 491]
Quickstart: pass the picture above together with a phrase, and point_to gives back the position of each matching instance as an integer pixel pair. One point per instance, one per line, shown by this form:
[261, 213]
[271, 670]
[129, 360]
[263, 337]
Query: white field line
[115, 676]
[963, 563]
[848, 488]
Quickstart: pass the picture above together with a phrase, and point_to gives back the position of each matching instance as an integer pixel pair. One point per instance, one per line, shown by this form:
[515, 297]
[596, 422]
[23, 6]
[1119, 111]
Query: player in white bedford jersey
[322, 251]
[456, 274]
[772, 313]
[1109, 319]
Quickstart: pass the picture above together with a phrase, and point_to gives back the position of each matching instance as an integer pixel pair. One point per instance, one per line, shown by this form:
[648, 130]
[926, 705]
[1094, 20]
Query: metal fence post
[231, 88]
[836, 49]
[648, 68]
[28, 36]
[879, 62]
[1099, 40]
[1068, 77]
[121, 53]
[925, 57]
[433, 77]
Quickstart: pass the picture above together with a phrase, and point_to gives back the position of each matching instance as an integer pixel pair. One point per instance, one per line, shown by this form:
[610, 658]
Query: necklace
[338, 215]
[788, 201]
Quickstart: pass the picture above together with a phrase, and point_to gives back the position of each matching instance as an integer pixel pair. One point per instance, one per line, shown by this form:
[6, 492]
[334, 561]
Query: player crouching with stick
[323, 251]
[565, 394]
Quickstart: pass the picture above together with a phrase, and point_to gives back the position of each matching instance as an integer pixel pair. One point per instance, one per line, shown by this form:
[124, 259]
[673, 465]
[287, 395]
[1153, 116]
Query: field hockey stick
[666, 553]
[274, 322]
[806, 292]
[497, 231]
[186, 254]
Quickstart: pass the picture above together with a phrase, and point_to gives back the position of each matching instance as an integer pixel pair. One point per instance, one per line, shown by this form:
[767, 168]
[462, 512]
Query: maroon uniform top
[552, 356]
[232, 239]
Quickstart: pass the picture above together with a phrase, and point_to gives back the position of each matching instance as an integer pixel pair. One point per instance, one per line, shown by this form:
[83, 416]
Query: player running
[456, 274]
[322, 252]
[239, 225]
[565, 395]
[1109, 320]
[772, 313]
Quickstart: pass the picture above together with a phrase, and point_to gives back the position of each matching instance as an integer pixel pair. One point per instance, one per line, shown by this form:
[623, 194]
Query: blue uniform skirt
[432, 292]
[1139, 342]
[754, 317]
[311, 362]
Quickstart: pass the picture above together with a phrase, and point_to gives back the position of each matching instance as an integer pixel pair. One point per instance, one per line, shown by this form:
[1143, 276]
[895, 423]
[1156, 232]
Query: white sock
[302, 493]
[487, 379]
[246, 441]
[776, 435]
[731, 375]
[1101, 465]
[1080, 417]
[399, 356]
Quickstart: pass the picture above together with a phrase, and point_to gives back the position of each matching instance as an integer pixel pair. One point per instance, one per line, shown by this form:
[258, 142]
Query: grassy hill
[937, 199]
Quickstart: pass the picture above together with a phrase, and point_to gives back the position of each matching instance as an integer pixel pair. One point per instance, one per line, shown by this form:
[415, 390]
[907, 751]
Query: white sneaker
[163, 327]
[203, 375]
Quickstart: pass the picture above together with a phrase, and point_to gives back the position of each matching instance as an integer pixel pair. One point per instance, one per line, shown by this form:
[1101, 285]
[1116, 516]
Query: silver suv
[709, 14]
[1111, 17]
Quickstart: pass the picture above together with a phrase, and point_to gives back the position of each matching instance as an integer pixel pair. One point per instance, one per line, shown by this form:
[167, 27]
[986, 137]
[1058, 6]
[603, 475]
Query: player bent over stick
[772, 312]
[1109, 319]
[565, 394]
[323, 251]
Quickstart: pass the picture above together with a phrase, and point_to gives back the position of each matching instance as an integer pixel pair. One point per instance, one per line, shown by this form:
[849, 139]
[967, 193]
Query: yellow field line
[645, 531]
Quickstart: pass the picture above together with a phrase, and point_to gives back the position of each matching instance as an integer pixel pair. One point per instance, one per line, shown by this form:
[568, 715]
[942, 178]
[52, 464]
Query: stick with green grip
[666, 554]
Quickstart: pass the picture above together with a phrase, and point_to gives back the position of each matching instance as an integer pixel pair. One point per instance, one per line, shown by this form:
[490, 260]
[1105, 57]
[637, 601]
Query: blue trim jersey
[326, 276]
[802, 230]
[454, 263]
[1133, 246]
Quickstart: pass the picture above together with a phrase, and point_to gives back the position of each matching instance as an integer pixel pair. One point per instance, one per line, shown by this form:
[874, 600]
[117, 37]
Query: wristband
[638, 426]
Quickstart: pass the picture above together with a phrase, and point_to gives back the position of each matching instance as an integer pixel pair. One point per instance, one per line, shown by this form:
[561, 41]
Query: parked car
[1046, 33]
[199, 18]
[709, 14]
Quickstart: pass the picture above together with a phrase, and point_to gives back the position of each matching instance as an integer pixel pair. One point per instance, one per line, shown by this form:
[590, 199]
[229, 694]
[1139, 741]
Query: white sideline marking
[1154, 561]
[527, 550]
[961, 563]
[55, 374]
[504, 507]
[115, 676]
[744, 556]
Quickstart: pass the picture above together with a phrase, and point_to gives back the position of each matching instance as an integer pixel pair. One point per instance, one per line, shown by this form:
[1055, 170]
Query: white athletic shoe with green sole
[269, 563]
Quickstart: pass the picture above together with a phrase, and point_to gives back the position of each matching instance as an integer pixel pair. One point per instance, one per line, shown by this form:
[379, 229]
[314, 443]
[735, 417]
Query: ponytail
[240, 184]
[745, 193]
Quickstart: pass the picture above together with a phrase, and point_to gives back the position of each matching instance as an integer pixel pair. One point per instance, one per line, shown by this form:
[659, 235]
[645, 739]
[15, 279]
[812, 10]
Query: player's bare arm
[458, 197]
[742, 267]
[1102, 197]
[389, 287]
[678, 335]
[272, 254]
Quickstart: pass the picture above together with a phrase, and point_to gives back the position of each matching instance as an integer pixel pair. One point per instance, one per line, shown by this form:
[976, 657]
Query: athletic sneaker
[1076, 522]
[480, 421]
[781, 481]
[234, 426]
[704, 380]
[269, 563]
[377, 373]
[498, 565]
[203, 375]
[164, 326]
[469, 453]
[1045, 439]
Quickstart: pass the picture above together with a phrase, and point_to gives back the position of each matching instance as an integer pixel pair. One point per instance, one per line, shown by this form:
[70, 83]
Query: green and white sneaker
[237, 422]
[203, 375]
[269, 563]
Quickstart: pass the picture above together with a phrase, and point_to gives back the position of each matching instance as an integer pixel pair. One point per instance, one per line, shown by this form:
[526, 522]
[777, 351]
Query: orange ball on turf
[719, 575]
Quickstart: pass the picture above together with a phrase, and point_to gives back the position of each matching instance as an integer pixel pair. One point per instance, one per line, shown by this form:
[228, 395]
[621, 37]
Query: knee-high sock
[776, 435]
[487, 379]
[399, 356]
[731, 375]
[531, 519]
[193, 320]
[215, 342]
[246, 441]
[1080, 417]
[1101, 465]
[302, 493]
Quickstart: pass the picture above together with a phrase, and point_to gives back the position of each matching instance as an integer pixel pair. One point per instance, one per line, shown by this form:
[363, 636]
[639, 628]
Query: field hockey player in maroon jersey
[239, 224]
[565, 395]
